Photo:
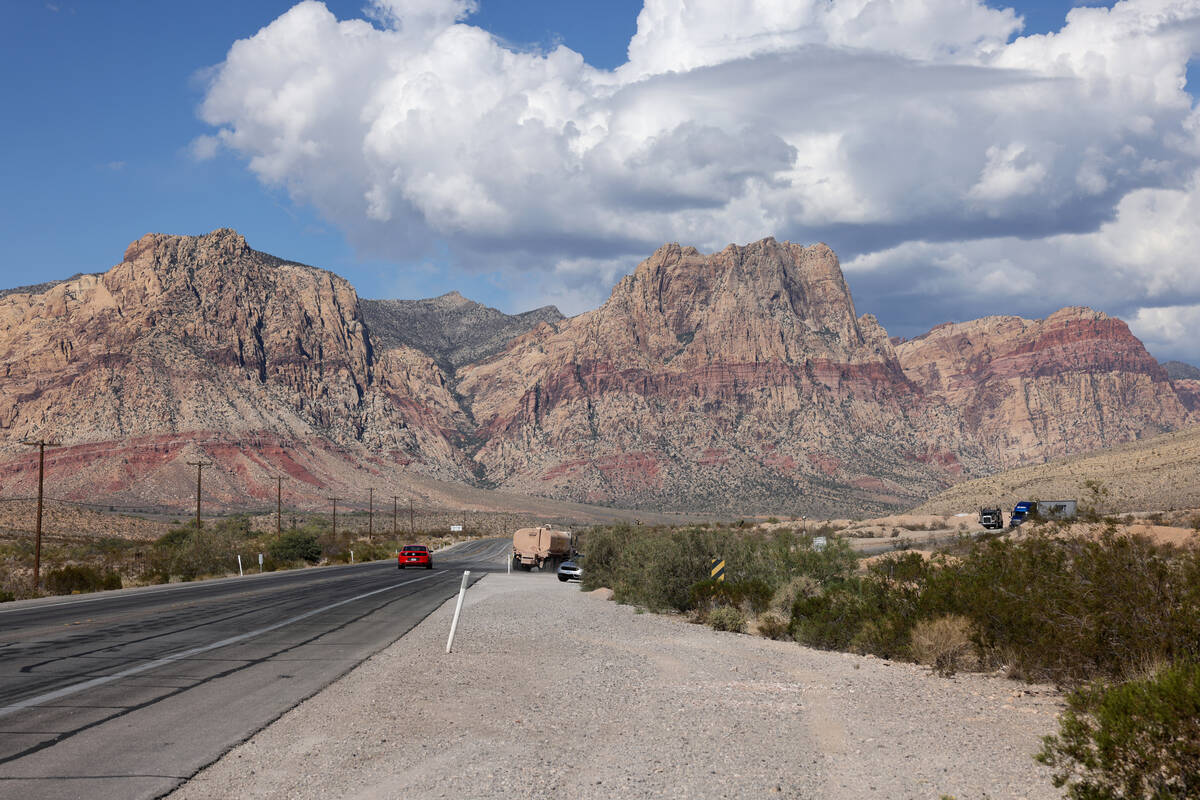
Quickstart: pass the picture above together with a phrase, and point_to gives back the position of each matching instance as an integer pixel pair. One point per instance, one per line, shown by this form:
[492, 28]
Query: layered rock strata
[1027, 390]
[739, 379]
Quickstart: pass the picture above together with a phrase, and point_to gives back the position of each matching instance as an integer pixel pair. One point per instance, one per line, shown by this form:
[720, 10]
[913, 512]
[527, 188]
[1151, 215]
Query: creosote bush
[943, 643]
[727, 618]
[1138, 740]
[76, 578]
[294, 546]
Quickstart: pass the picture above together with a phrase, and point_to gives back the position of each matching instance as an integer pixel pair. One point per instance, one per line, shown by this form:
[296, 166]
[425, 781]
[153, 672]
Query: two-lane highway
[128, 694]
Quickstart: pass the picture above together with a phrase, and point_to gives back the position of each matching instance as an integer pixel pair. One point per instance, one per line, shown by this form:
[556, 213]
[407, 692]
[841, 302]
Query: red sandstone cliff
[1027, 390]
[203, 340]
[738, 379]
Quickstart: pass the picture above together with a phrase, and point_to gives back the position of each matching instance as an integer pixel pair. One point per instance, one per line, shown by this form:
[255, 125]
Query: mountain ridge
[743, 379]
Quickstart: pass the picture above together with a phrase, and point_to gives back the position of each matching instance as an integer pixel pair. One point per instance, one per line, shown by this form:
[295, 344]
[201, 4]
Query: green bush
[773, 626]
[727, 618]
[657, 568]
[78, 578]
[296, 546]
[1138, 740]
[187, 553]
[1071, 609]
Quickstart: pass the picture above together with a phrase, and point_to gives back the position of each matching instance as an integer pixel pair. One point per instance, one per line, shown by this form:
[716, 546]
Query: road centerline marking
[103, 679]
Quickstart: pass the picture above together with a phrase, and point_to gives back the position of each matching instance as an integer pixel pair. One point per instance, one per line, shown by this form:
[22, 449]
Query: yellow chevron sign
[717, 569]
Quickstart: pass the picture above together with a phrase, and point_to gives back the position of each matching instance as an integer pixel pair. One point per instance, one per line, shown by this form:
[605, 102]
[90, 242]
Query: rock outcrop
[1027, 390]
[453, 330]
[730, 382]
[739, 379]
[202, 339]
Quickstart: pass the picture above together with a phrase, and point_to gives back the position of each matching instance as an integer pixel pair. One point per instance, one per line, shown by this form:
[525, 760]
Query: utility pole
[370, 514]
[41, 445]
[199, 465]
[395, 500]
[278, 505]
[412, 529]
[334, 501]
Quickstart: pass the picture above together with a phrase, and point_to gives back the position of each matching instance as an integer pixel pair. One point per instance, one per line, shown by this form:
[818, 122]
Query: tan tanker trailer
[540, 547]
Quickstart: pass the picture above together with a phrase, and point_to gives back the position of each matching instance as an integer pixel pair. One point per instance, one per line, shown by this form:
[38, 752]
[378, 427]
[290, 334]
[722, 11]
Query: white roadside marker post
[351, 556]
[462, 590]
[239, 565]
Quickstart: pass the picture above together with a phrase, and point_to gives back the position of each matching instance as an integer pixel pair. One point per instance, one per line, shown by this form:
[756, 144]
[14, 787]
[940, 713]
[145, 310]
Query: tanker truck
[540, 547]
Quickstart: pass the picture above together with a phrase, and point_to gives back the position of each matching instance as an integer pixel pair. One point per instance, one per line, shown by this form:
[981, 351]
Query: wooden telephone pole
[41, 445]
[199, 465]
[370, 514]
[278, 505]
[334, 501]
[395, 500]
[412, 528]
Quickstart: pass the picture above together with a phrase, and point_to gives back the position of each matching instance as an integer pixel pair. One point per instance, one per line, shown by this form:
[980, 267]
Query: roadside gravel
[551, 692]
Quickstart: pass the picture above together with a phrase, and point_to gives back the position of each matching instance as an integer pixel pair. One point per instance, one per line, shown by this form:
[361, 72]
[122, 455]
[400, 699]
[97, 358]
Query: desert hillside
[1158, 474]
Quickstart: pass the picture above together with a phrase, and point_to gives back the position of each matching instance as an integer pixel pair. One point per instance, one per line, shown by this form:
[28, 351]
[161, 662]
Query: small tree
[1134, 741]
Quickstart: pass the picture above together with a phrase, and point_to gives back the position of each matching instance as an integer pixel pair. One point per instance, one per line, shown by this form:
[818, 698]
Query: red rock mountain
[1026, 390]
[737, 381]
[201, 348]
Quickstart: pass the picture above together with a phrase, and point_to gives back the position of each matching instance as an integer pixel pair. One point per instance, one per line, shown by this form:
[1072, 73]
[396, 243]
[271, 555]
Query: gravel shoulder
[551, 690]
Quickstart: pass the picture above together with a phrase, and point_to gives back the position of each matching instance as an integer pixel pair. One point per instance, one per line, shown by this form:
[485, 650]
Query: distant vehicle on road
[1046, 509]
[540, 547]
[991, 518]
[570, 571]
[414, 555]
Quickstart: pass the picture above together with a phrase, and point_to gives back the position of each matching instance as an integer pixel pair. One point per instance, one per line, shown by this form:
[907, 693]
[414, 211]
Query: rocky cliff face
[1026, 390]
[205, 337]
[453, 330]
[736, 381]
[743, 377]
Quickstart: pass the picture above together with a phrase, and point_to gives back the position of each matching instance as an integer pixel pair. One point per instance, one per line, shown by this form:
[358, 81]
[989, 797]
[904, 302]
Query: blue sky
[108, 99]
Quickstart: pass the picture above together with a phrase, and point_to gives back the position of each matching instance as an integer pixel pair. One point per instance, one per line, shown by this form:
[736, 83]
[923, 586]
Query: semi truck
[991, 518]
[540, 547]
[1046, 509]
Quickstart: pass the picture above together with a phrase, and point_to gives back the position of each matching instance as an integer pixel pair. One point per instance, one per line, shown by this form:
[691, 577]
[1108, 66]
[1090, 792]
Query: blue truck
[1046, 509]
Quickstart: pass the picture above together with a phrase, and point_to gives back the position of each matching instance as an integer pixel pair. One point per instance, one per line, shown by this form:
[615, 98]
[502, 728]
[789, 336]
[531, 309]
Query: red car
[414, 555]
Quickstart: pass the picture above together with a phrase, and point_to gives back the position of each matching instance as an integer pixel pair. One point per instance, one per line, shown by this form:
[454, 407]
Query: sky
[963, 158]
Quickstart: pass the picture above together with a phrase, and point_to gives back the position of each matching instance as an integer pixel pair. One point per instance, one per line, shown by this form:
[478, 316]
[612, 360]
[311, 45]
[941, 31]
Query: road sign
[819, 542]
[456, 528]
[716, 569]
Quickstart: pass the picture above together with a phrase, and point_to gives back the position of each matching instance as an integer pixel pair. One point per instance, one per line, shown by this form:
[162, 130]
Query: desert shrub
[943, 643]
[773, 626]
[657, 568]
[786, 595]
[1138, 740]
[7, 597]
[296, 545]
[727, 618]
[80, 578]
[831, 619]
[1074, 609]
[187, 553]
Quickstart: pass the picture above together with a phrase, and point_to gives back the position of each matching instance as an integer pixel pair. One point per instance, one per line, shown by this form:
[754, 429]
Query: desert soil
[553, 692]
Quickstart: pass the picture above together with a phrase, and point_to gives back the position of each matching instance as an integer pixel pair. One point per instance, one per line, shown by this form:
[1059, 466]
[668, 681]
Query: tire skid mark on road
[244, 664]
[113, 648]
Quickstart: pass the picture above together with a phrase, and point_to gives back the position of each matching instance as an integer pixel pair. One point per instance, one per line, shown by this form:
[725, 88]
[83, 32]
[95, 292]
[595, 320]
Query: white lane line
[103, 679]
[178, 588]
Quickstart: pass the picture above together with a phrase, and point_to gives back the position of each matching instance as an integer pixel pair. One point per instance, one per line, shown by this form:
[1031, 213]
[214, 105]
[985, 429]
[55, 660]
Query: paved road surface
[128, 694]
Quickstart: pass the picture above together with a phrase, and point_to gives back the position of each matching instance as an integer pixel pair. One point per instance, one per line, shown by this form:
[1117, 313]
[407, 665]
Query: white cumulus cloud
[901, 131]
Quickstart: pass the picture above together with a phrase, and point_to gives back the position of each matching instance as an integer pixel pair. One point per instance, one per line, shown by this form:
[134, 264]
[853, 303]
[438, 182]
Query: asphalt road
[128, 694]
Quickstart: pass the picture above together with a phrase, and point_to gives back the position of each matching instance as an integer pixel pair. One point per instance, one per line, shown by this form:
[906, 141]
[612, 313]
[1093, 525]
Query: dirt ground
[552, 692]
